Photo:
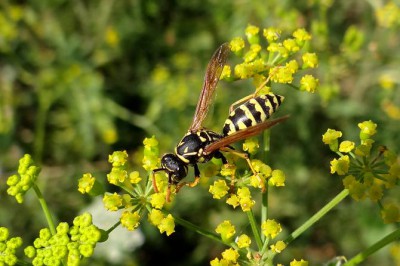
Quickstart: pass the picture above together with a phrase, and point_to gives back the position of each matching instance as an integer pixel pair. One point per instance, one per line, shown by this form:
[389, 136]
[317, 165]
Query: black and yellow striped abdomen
[251, 113]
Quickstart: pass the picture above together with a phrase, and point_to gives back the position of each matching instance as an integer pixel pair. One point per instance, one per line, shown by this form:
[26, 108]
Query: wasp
[199, 145]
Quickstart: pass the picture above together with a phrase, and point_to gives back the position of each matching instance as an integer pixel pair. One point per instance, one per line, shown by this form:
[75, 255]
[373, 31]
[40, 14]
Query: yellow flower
[246, 203]
[112, 201]
[252, 34]
[386, 82]
[357, 191]
[299, 263]
[375, 192]
[277, 178]
[389, 15]
[278, 247]
[277, 47]
[157, 200]
[86, 183]
[233, 200]
[243, 241]
[117, 175]
[272, 34]
[310, 60]
[230, 255]
[348, 181]
[390, 213]
[251, 145]
[130, 220]
[271, 228]
[237, 44]
[118, 158]
[150, 154]
[226, 230]
[134, 177]
[301, 35]
[291, 45]
[341, 165]
[368, 129]
[167, 225]
[155, 217]
[365, 148]
[226, 72]
[308, 83]
[111, 37]
[346, 146]
[219, 189]
[228, 170]
[331, 138]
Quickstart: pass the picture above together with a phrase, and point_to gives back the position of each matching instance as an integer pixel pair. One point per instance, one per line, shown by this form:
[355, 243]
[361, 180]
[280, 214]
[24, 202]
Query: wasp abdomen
[251, 113]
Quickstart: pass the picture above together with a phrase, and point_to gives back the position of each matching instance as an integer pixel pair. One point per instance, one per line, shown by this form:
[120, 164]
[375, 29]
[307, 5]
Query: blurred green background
[80, 79]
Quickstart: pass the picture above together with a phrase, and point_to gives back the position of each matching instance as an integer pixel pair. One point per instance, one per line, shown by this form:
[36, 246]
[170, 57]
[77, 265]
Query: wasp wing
[243, 134]
[211, 78]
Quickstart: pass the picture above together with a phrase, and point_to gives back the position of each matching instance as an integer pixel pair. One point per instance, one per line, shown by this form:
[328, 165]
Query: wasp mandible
[200, 145]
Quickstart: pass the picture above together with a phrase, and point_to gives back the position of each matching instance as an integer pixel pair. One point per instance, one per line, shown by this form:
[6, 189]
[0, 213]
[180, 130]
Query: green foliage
[81, 79]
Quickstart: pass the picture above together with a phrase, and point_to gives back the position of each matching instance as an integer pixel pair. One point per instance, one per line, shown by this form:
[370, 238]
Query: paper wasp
[200, 145]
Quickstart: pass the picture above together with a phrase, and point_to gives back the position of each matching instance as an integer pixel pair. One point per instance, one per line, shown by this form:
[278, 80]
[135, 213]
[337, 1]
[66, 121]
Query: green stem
[335, 201]
[45, 209]
[197, 229]
[254, 229]
[109, 230]
[375, 247]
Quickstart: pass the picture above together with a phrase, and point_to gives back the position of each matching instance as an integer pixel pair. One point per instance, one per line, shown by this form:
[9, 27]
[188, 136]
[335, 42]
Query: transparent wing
[211, 78]
[243, 134]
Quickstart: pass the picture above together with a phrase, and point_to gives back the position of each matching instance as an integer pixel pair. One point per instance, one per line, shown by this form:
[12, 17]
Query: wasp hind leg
[246, 157]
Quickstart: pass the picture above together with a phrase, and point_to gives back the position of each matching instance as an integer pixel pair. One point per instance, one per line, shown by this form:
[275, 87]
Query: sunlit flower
[271, 228]
[243, 241]
[226, 230]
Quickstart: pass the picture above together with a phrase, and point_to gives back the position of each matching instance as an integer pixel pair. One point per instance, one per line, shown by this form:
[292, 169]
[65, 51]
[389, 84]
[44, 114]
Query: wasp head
[175, 167]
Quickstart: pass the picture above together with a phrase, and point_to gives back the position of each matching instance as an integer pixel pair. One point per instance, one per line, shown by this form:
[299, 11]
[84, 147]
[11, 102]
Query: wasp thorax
[177, 170]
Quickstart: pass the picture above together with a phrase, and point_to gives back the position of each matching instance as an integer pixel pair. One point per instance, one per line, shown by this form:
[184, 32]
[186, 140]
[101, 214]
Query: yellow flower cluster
[231, 255]
[137, 199]
[366, 174]
[269, 55]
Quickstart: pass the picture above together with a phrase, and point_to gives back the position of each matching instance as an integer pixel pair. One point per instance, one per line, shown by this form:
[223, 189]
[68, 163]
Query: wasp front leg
[190, 184]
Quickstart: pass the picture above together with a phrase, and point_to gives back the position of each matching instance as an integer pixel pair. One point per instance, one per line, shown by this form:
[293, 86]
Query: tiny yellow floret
[226, 230]
[278, 246]
[219, 189]
[341, 165]
[155, 217]
[310, 60]
[271, 228]
[167, 225]
[230, 255]
[157, 200]
[308, 83]
[130, 220]
[86, 183]
[243, 241]
[346, 146]
[299, 263]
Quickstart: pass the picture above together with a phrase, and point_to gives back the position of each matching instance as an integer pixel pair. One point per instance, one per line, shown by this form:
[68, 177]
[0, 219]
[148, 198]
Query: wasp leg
[219, 155]
[153, 178]
[191, 184]
[246, 157]
[253, 95]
